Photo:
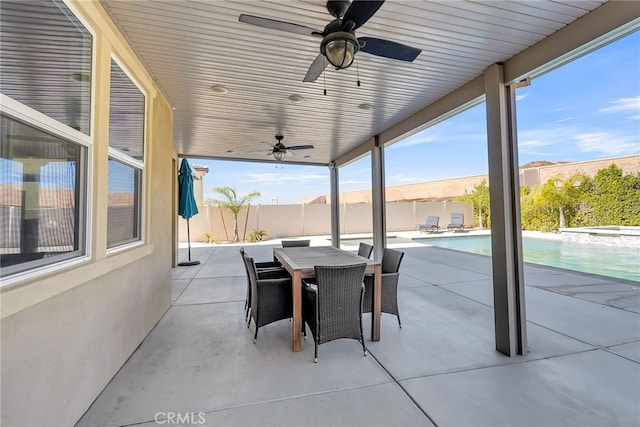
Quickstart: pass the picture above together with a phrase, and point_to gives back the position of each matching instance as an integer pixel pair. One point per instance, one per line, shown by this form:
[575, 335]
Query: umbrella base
[188, 263]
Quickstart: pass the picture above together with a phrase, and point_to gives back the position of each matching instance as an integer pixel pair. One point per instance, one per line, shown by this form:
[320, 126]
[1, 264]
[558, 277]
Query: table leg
[377, 303]
[296, 321]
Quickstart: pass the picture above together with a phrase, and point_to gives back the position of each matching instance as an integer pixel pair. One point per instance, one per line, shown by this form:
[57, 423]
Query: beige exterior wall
[629, 164]
[65, 333]
[281, 221]
[449, 188]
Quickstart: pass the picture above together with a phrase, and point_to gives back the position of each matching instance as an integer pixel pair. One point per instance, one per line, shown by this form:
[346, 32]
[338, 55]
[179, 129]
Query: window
[42, 209]
[45, 76]
[124, 204]
[46, 60]
[126, 159]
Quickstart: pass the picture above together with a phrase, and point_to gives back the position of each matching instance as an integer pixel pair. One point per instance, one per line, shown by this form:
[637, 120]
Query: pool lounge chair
[431, 226]
[457, 222]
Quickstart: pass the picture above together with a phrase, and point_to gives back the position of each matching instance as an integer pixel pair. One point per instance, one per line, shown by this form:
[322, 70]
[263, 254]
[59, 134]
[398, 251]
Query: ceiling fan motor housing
[338, 8]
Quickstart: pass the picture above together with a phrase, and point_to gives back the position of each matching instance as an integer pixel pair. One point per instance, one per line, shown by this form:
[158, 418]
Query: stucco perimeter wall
[449, 188]
[67, 331]
[280, 221]
[629, 164]
[446, 188]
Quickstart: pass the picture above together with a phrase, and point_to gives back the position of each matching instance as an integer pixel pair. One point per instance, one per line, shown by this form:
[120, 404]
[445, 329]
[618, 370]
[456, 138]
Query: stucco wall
[65, 333]
[629, 164]
[280, 221]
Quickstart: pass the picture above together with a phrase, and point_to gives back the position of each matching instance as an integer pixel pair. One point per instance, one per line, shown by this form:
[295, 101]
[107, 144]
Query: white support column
[378, 199]
[335, 205]
[506, 235]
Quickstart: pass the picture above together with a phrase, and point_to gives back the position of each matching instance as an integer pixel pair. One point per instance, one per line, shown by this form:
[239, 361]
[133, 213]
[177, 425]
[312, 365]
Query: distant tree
[232, 202]
[479, 197]
[563, 198]
[536, 214]
[611, 198]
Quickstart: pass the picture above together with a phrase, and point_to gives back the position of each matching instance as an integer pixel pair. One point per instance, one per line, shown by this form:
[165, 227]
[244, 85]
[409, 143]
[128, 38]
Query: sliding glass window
[45, 85]
[126, 159]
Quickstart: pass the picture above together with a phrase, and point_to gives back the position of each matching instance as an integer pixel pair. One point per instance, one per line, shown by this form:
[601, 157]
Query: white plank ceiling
[189, 46]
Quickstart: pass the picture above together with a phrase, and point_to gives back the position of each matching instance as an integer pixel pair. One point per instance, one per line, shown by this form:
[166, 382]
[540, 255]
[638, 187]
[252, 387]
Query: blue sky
[588, 109]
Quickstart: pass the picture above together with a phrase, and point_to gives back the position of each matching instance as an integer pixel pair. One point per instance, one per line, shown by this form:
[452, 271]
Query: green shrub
[257, 235]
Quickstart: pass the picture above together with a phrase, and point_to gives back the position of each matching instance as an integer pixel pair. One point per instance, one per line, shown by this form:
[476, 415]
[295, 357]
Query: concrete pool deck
[441, 368]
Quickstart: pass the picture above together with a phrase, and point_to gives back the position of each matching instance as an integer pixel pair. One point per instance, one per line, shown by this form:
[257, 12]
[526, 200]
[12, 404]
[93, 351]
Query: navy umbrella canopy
[186, 202]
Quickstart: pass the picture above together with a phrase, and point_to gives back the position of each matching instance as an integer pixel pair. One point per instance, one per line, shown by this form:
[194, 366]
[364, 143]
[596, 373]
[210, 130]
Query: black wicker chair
[295, 243]
[364, 250]
[266, 270]
[391, 260]
[271, 299]
[332, 307]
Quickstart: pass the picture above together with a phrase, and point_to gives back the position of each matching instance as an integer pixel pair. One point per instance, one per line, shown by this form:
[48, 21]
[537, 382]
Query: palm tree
[232, 202]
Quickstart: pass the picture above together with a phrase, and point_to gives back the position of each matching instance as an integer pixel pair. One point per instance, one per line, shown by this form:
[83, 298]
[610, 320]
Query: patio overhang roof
[188, 47]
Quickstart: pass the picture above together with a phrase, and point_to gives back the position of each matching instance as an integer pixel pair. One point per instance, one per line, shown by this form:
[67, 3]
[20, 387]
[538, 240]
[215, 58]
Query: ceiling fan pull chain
[357, 72]
[324, 82]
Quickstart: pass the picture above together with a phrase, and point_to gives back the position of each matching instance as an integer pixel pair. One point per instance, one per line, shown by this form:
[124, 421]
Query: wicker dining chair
[391, 260]
[295, 243]
[271, 299]
[332, 306]
[266, 270]
[365, 249]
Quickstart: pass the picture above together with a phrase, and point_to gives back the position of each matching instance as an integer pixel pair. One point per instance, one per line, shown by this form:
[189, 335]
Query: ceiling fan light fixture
[340, 48]
[279, 154]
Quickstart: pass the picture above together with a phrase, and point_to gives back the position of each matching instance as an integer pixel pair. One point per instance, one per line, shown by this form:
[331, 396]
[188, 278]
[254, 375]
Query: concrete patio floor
[199, 364]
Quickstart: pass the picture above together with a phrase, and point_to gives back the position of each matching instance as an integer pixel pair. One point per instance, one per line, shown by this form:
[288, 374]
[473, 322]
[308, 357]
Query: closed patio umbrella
[187, 203]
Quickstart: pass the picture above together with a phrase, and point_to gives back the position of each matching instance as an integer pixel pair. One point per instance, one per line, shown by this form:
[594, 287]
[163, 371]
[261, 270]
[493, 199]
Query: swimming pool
[617, 262]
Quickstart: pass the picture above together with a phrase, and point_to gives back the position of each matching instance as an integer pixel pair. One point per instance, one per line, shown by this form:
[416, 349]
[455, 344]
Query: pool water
[623, 263]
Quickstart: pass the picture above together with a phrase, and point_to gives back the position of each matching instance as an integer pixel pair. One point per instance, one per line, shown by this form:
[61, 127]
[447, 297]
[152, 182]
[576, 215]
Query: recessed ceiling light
[295, 98]
[219, 89]
[365, 106]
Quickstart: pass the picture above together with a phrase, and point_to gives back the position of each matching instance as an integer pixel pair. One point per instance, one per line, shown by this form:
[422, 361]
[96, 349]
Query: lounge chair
[431, 226]
[457, 222]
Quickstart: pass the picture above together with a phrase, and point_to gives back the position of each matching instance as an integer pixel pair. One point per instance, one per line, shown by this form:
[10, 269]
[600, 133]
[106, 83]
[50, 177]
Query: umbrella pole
[188, 263]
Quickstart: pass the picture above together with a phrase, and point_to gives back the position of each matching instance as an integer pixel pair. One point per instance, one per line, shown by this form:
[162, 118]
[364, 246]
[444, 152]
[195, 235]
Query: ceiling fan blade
[388, 49]
[317, 67]
[359, 12]
[278, 25]
[300, 147]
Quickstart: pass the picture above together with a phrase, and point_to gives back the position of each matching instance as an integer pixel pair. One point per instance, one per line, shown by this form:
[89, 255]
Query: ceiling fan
[339, 42]
[280, 150]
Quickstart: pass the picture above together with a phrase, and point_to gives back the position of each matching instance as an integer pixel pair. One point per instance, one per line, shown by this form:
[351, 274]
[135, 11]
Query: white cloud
[622, 104]
[541, 138]
[609, 144]
[354, 182]
[541, 141]
[521, 96]
[566, 119]
[417, 139]
[402, 178]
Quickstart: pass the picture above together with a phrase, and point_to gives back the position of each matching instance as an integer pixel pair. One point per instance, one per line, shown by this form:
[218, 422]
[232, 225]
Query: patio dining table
[300, 262]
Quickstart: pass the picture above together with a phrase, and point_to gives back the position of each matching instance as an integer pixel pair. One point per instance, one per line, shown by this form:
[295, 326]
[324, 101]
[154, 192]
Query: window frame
[120, 156]
[31, 117]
